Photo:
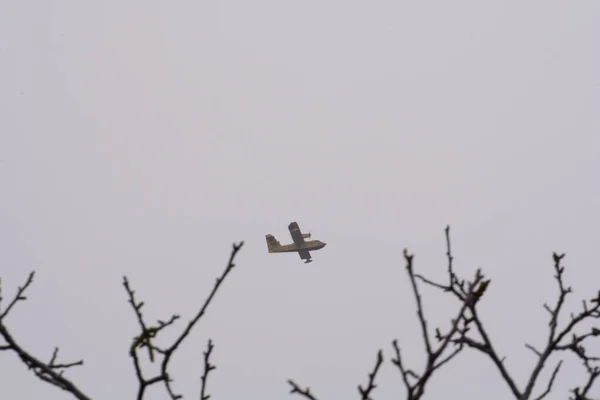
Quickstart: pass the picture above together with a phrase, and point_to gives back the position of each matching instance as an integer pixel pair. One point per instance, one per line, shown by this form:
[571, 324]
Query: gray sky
[144, 138]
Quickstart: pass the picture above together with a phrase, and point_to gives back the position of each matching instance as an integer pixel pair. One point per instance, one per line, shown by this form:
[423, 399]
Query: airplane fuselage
[309, 245]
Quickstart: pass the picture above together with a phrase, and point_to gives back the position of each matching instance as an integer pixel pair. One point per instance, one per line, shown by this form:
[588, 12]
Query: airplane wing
[305, 255]
[296, 233]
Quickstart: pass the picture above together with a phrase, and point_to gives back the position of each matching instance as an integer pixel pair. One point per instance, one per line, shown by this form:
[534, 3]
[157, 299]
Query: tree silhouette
[459, 337]
[466, 331]
[53, 372]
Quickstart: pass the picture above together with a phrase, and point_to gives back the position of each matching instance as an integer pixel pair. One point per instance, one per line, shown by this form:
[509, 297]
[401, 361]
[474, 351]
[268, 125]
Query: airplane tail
[272, 243]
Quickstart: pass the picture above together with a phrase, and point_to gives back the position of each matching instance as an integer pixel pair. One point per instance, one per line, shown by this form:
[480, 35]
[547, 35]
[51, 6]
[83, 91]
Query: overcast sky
[143, 138]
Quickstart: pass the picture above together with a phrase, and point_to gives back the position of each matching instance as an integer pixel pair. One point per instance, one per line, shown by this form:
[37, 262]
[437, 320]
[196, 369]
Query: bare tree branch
[536, 351]
[207, 368]
[556, 335]
[556, 341]
[51, 372]
[302, 392]
[18, 297]
[366, 392]
[487, 348]
[404, 372]
[466, 329]
[147, 333]
[435, 358]
[581, 393]
[143, 339]
[550, 382]
[413, 282]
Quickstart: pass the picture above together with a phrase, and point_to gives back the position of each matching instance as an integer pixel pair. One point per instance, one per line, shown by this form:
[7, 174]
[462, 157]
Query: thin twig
[488, 348]
[19, 296]
[422, 320]
[550, 382]
[403, 371]
[302, 392]
[207, 368]
[366, 392]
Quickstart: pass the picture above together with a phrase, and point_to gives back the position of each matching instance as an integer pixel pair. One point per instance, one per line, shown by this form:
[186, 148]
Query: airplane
[300, 246]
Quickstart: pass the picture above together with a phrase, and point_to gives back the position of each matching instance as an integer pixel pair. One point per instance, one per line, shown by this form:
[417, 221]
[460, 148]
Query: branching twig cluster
[51, 371]
[556, 341]
[468, 317]
[448, 345]
[147, 333]
[437, 355]
[458, 336]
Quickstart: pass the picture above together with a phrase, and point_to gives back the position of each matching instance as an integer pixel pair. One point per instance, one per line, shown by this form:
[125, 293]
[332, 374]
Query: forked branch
[144, 339]
[51, 371]
[436, 356]
[556, 340]
[365, 392]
